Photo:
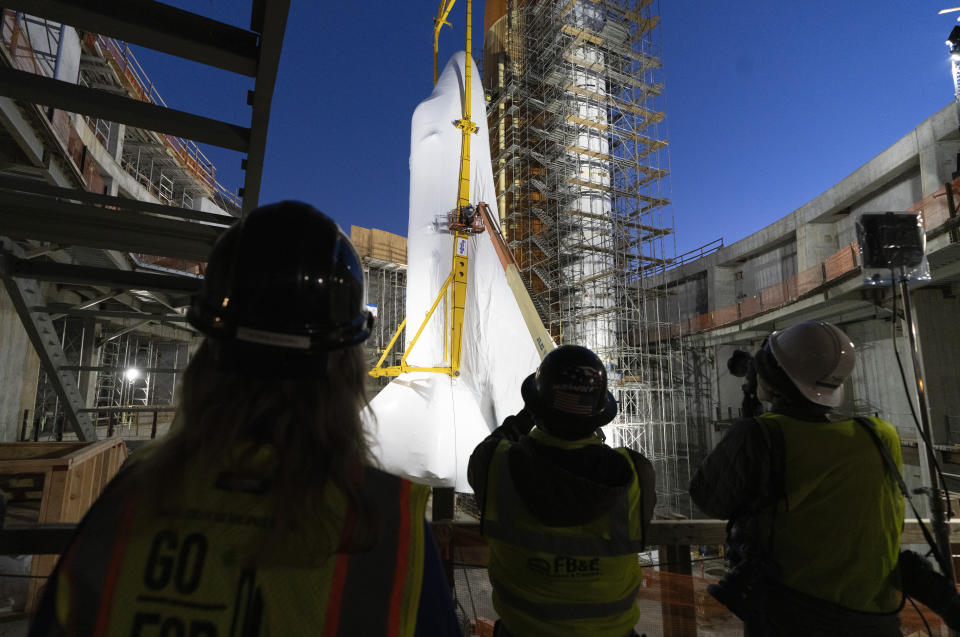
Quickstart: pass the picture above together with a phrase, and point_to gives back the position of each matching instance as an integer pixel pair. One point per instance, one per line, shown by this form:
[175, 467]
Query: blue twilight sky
[769, 103]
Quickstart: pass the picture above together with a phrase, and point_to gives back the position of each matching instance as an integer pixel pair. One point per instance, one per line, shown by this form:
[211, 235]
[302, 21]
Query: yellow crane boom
[463, 223]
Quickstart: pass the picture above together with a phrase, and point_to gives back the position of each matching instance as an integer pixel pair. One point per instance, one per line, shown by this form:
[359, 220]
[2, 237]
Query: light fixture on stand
[892, 247]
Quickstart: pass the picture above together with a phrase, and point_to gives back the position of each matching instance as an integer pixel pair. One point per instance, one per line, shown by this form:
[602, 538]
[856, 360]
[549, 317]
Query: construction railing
[673, 596]
[695, 254]
[22, 57]
[135, 80]
[841, 264]
[939, 216]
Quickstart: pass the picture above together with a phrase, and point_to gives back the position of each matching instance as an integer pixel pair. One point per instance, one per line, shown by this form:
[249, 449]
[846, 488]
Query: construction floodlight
[892, 245]
[953, 40]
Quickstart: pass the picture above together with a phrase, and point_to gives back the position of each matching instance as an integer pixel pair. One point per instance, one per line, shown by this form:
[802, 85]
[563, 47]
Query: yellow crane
[463, 221]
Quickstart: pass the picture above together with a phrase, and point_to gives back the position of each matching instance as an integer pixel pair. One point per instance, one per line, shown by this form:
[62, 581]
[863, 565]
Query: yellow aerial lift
[465, 220]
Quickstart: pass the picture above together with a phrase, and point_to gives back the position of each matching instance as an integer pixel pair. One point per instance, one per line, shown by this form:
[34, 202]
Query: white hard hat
[817, 357]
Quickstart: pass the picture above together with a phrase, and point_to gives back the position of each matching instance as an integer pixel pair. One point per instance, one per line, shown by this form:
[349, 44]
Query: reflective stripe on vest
[565, 610]
[360, 576]
[189, 571]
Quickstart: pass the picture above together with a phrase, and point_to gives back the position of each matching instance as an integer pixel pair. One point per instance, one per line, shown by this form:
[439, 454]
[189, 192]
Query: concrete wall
[60, 43]
[898, 195]
[19, 368]
[204, 204]
[815, 242]
[768, 268]
[937, 312]
[690, 296]
[69, 65]
[722, 285]
[875, 387]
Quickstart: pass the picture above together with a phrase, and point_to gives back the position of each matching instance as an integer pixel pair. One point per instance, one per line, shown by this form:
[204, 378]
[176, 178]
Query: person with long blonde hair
[261, 512]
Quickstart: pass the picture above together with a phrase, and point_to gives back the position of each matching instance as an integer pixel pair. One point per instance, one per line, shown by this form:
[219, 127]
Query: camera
[742, 365]
[740, 590]
[743, 589]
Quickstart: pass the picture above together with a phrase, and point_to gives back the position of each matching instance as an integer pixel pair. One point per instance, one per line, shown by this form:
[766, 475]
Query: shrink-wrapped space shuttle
[424, 425]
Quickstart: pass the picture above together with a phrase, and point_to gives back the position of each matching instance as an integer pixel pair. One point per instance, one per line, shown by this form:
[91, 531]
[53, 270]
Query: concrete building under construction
[93, 308]
[108, 356]
[807, 265]
[579, 156]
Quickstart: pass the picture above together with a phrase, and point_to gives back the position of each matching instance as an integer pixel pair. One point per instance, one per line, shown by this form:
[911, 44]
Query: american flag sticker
[573, 403]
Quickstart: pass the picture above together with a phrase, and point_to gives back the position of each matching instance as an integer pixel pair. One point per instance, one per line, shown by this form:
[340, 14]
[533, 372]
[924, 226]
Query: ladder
[109, 381]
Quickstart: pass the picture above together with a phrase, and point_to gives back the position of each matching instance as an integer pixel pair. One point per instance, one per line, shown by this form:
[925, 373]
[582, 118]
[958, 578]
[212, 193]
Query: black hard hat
[284, 281]
[568, 392]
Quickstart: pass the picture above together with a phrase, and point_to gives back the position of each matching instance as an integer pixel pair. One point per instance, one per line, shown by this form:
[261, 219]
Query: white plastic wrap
[425, 425]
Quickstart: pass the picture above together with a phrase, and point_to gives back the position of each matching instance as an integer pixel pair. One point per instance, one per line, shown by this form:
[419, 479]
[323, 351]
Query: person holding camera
[814, 516]
[564, 514]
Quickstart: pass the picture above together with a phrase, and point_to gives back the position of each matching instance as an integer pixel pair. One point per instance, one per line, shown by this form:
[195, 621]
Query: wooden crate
[55, 482]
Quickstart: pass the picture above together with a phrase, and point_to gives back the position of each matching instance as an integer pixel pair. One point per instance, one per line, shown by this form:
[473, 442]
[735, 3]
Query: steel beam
[66, 310]
[109, 277]
[28, 216]
[273, 18]
[37, 89]
[156, 26]
[37, 187]
[46, 342]
[107, 368]
[148, 408]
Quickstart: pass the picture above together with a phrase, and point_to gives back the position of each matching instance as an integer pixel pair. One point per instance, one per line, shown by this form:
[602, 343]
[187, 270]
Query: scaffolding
[385, 286]
[575, 117]
[135, 373]
[384, 257]
[173, 169]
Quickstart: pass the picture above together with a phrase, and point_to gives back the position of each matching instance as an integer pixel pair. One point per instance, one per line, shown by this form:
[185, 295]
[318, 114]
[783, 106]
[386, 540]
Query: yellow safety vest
[580, 580]
[210, 567]
[836, 535]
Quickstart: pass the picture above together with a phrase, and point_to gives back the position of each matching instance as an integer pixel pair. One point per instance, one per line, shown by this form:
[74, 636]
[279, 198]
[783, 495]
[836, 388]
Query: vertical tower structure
[576, 132]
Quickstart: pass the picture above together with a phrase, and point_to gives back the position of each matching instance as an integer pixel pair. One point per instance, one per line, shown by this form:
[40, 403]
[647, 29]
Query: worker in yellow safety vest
[260, 513]
[815, 516]
[564, 514]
